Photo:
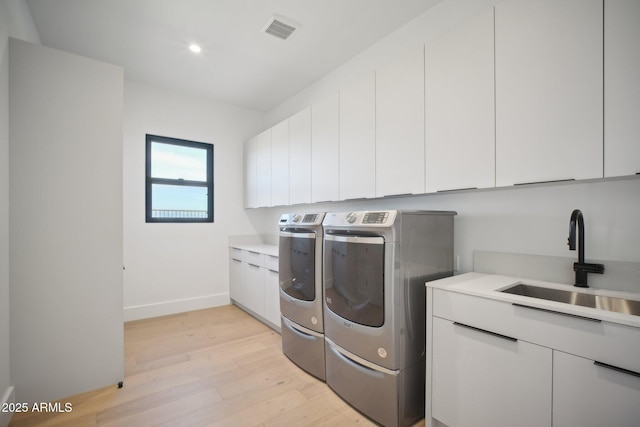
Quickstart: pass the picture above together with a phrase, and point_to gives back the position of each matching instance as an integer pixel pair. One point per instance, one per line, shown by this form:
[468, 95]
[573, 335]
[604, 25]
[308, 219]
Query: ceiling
[239, 64]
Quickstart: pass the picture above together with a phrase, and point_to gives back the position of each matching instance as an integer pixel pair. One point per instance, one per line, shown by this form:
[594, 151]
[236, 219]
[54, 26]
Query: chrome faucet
[581, 268]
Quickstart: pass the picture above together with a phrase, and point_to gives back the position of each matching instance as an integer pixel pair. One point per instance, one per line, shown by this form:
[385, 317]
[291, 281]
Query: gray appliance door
[354, 278]
[299, 277]
[303, 347]
[297, 259]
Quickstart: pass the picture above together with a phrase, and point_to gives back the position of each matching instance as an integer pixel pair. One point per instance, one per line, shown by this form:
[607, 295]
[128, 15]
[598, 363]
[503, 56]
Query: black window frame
[149, 180]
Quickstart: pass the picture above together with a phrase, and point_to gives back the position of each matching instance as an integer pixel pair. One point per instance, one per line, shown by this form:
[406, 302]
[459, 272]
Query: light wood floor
[214, 367]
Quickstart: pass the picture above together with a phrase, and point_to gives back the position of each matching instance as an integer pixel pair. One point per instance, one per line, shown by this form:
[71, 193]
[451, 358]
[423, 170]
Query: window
[179, 180]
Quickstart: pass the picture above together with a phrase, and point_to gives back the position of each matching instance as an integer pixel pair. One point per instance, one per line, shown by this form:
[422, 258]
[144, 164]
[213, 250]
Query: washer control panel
[301, 219]
[368, 218]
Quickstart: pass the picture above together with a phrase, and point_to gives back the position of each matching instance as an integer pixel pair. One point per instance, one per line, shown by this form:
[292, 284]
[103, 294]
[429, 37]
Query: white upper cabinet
[459, 107]
[263, 169]
[358, 139]
[251, 173]
[400, 126]
[280, 164]
[549, 84]
[300, 157]
[325, 150]
[621, 87]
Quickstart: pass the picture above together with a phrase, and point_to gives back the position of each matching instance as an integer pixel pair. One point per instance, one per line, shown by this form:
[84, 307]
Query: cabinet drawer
[237, 254]
[271, 262]
[255, 258]
[611, 343]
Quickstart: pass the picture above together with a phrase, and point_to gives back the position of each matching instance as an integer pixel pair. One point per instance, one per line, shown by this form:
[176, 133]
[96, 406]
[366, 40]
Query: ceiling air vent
[279, 28]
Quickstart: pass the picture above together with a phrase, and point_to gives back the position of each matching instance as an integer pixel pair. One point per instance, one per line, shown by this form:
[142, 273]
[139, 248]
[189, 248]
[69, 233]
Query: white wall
[65, 212]
[529, 220]
[178, 267]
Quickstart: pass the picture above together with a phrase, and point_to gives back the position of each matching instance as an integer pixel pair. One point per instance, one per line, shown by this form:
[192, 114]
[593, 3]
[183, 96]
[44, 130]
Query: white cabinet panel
[254, 282]
[549, 84]
[622, 87]
[251, 173]
[358, 139]
[237, 288]
[272, 296]
[588, 395]
[325, 150]
[400, 126]
[459, 107]
[300, 157]
[475, 372]
[263, 169]
[280, 164]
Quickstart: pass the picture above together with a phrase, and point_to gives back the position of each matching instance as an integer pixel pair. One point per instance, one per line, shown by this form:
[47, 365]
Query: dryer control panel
[361, 218]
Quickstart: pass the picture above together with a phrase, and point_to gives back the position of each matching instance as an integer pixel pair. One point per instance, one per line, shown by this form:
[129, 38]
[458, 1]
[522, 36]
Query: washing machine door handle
[367, 240]
[296, 235]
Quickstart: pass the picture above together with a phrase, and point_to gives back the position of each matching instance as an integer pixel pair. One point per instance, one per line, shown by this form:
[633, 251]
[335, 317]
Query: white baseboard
[9, 397]
[172, 307]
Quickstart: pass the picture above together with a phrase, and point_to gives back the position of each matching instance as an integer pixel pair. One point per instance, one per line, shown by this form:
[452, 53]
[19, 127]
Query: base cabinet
[272, 296]
[476, 372]
[254, 283]
[502, 363]
[589, 394]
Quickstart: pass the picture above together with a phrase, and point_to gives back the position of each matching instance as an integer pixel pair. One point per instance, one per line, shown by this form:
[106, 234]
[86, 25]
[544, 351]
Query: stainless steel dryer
[300, 270]
[374, 269]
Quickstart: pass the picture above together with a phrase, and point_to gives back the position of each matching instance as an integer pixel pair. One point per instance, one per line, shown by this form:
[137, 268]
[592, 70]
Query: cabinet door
[588, 395]
[459, 113]
[549, 99]
[400, 126]
[621, 87]
[251, 173]
[358, 139]
[236, 280]
[325, 150]
[272, 296]
[280, 164]
[254, 298]
[474, 372]
[263, 169]
[300, 157]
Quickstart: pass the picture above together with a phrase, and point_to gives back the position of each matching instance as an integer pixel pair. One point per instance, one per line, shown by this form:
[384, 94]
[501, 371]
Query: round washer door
[354, 278]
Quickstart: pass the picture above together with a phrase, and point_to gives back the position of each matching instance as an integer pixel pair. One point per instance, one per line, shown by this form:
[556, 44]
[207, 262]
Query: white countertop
[490, 285]
[271, 250]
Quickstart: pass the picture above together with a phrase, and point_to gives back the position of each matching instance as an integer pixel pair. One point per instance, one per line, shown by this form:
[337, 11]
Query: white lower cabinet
[587, 393]
[498, 363]
[271, 296]
[236, 275]
[484, 379]
[254, 298]
[254, 283]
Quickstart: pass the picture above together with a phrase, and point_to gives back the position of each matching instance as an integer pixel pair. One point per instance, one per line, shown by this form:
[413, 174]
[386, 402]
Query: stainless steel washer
[375, 267]
[300, 271]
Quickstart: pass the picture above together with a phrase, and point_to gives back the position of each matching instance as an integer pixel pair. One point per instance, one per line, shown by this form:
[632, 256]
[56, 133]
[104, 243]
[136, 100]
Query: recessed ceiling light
[195, 48]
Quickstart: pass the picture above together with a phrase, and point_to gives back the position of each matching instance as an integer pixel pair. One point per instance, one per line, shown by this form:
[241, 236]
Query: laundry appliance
[375, 265]
[300, 276]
